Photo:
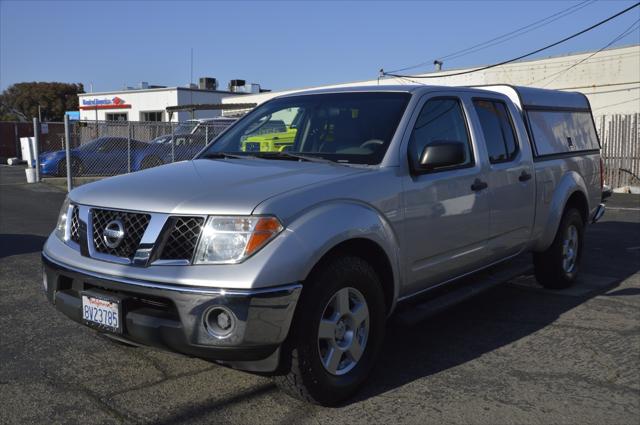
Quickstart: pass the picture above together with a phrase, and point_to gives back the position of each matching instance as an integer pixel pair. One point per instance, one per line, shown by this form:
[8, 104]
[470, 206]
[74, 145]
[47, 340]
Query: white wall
[610, 79]
[140, 100]
[153, 100]
[191, 97]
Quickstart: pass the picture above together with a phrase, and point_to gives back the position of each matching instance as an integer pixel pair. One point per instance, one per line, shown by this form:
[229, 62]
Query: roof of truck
[532, 98]
[523, 97]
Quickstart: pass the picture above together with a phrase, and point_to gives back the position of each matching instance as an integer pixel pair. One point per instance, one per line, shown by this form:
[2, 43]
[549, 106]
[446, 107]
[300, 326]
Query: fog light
[220, 322]
[45, 281]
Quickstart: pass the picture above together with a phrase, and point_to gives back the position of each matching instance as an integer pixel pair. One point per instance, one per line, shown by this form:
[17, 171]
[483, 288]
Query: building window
[151, 116]
[116, 116]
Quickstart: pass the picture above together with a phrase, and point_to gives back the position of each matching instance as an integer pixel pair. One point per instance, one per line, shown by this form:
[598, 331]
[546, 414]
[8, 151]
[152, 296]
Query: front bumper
[172, 317]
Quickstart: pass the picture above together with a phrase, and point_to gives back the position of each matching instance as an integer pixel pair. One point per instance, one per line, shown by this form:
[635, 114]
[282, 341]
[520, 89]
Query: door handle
[478, 185]
[524, 176]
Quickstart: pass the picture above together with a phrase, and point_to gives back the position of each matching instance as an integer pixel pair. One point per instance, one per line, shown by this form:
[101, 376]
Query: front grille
[134, 225]
[182, 238]
[75, 225]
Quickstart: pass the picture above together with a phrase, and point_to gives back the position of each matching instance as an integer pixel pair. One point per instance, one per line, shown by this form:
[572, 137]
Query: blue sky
[277, 44]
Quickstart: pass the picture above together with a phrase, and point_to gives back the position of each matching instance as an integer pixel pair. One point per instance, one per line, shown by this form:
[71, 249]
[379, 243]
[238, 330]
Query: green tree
[22, 99]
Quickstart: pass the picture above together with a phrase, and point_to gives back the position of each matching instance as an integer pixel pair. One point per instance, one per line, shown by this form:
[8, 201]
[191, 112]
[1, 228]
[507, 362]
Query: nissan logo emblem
[113, 233]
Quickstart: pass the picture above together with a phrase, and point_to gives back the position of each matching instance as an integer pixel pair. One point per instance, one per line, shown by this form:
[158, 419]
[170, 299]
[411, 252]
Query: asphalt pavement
[514, 355]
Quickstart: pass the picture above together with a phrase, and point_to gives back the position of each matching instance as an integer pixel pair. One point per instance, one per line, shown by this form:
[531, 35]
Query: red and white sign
[104, 103]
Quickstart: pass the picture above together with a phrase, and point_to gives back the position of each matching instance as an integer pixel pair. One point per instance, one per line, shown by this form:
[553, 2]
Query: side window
[113, 144]
[180, 140]
[498, 132]
[441, 120]
[556, 132]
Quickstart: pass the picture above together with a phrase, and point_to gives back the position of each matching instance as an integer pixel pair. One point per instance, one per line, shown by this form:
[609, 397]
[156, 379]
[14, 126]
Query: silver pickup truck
[283, 250]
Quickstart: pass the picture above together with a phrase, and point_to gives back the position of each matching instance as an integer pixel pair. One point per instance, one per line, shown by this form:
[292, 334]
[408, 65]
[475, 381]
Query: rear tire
[557, 267]
[326, 364]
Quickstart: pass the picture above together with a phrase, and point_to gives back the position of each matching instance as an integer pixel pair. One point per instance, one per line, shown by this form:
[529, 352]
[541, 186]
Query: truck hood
[204, 186]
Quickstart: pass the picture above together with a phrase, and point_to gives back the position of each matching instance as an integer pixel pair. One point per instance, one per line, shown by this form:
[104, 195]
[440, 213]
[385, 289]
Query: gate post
[129, 149]
[36, 148]
[67, 148]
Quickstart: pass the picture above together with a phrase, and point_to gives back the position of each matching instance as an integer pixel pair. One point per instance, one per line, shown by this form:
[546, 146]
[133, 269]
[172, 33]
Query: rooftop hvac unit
[237, 85]
[208, 83]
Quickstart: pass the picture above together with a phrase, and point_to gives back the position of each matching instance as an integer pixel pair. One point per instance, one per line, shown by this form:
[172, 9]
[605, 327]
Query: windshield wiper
[286, 155]
[223, 155]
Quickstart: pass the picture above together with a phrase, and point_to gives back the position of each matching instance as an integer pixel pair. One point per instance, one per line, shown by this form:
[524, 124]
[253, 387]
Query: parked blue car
[105, 156]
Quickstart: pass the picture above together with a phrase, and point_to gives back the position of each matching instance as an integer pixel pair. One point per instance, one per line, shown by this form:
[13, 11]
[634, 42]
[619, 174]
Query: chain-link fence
[108, 148]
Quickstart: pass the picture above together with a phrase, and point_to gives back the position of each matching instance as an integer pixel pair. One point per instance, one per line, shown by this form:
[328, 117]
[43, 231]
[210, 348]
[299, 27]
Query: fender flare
[570, 183]
[318, 229]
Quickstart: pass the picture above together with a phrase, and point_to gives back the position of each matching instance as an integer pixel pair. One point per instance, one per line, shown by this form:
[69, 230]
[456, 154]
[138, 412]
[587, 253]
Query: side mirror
[439, 154]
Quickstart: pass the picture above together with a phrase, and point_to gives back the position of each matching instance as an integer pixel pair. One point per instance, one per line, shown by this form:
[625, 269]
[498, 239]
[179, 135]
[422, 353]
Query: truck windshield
[185, 127]
[340, 127]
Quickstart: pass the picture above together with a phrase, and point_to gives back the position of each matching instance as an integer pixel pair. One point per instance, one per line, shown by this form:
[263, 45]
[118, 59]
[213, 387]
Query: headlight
[232, 239]
[61, 227]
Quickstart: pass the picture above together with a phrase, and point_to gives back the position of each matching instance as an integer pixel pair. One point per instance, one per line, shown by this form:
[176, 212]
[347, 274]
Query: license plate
[102, 312]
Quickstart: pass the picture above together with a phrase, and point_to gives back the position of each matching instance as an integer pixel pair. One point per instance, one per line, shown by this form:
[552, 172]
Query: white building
[150, 103]
[610, 79]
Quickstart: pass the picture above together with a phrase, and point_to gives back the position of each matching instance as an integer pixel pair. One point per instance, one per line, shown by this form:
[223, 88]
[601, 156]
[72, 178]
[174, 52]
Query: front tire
[557, 267]
[76, 168]
[337, 333]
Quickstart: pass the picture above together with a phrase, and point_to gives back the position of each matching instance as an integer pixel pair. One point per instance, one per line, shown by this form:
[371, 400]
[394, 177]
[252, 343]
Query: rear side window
[441, 120]
[557, 132]
[498, 132]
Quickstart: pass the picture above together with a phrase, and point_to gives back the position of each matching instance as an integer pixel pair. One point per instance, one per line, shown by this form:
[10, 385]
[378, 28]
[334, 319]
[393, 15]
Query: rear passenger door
[510, 178]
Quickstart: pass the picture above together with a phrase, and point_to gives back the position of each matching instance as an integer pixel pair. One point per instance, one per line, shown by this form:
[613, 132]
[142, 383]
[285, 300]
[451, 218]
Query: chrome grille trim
[135, 225]
[166, 240]
[182, 239]
[75, 225]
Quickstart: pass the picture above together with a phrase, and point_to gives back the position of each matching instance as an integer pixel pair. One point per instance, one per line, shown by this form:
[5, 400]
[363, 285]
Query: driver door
[446, 211]
[112, 156]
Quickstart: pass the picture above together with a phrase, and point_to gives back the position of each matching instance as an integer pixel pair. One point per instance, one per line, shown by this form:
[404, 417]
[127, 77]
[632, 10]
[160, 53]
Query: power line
[593, 86]
[505, 37]
[580, 6]
[622, 35]
[613, 91]
[616, 104]
[560, 64]
[604, 21]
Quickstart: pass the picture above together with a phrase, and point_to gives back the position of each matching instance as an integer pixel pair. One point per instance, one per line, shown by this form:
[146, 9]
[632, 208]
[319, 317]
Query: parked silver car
[289, 261]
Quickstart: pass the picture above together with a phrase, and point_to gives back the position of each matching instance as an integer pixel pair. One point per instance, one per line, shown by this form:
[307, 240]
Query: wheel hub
[570, 249]
[343, 331]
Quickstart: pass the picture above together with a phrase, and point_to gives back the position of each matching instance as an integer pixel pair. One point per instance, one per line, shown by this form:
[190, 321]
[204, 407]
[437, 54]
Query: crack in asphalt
[211, 406]
[103, 406]
[162, 381]
[574, 377]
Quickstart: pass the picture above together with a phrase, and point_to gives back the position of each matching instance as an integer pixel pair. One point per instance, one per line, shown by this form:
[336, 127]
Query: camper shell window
[562, 131]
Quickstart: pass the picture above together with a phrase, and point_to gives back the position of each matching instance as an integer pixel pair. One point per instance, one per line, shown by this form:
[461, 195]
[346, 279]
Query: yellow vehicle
[270, 142]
